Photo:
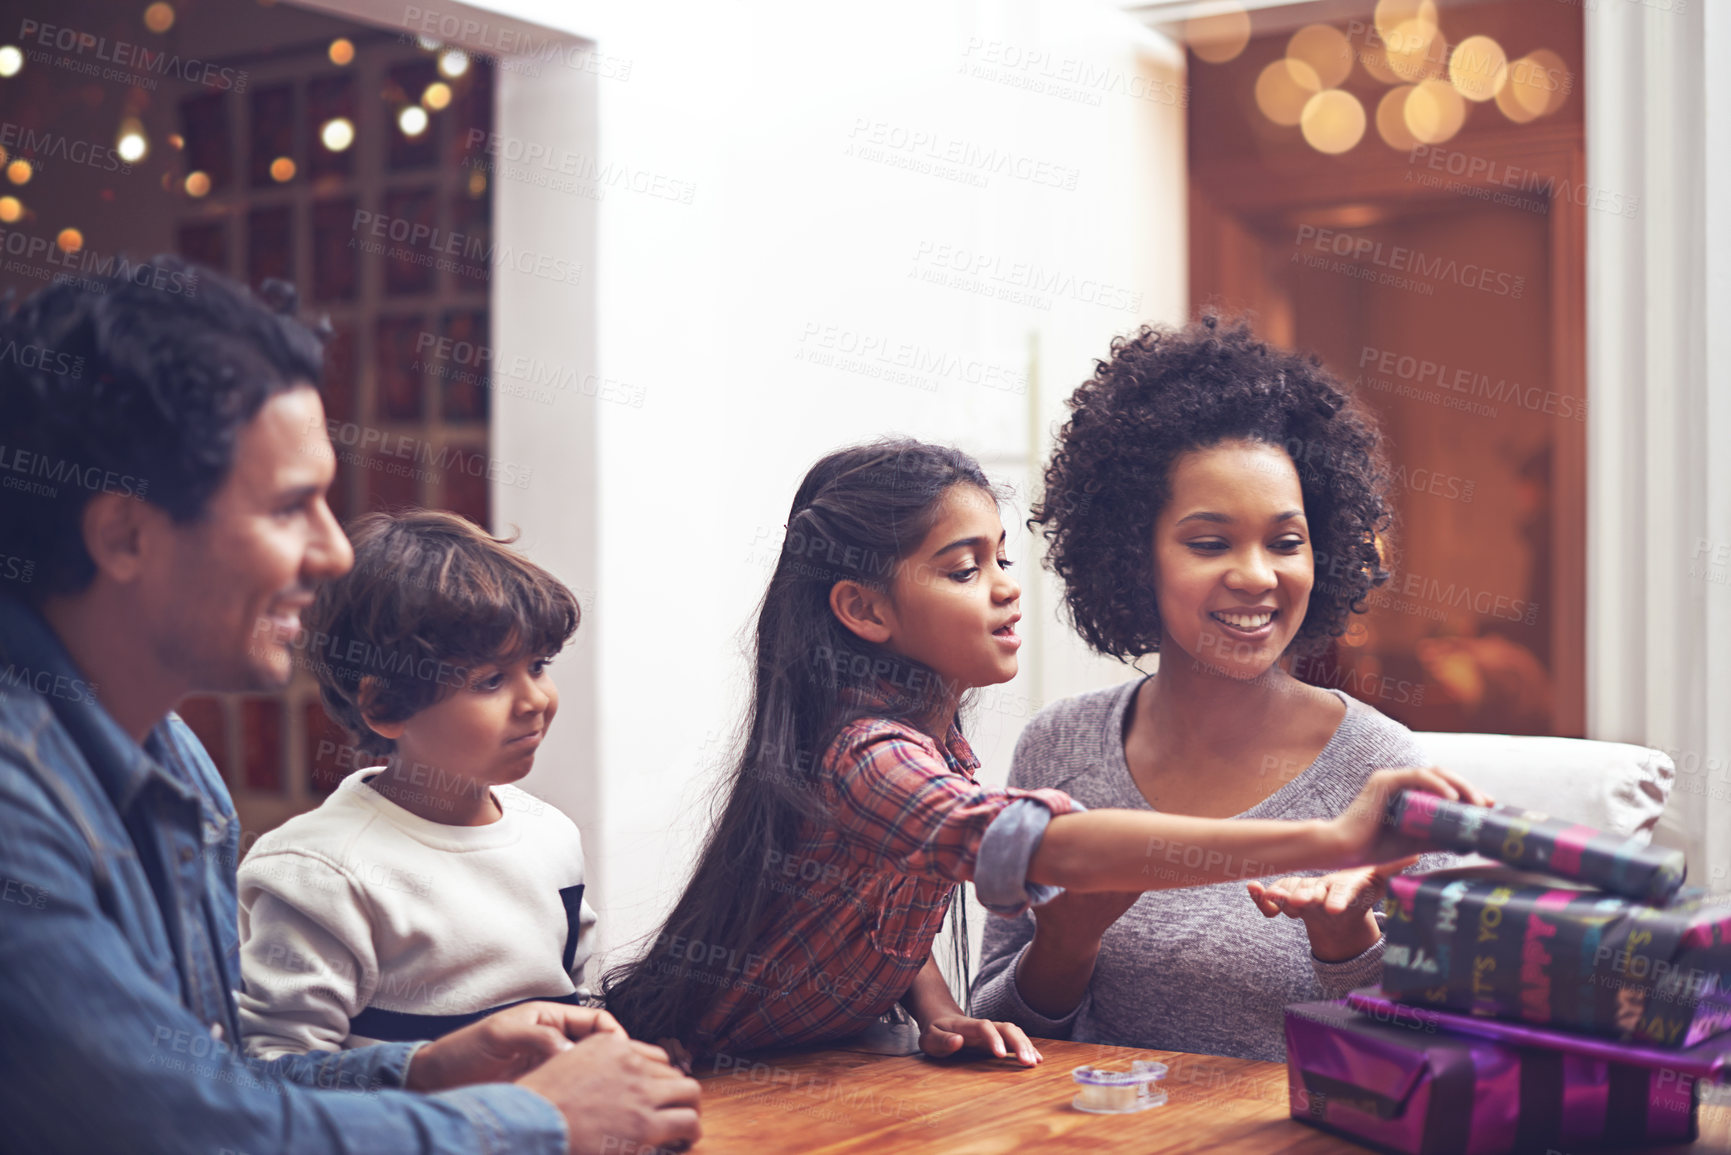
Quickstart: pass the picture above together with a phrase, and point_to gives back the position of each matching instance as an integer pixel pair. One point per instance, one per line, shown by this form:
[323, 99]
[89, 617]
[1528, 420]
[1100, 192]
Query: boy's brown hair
[431, 597]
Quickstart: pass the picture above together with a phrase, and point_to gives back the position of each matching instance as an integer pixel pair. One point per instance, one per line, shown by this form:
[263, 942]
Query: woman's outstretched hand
[1338, 910]
[1363, 834]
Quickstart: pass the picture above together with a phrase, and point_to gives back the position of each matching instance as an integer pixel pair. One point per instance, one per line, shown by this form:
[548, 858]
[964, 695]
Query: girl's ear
[366, 700]
[863, 610]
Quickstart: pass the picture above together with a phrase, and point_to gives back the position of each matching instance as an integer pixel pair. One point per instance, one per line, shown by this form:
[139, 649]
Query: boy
[427, 891]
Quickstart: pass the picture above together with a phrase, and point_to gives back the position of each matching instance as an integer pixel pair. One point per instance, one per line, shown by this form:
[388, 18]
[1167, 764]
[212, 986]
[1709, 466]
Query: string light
[337, 133]
[1333, 121]
[1391, 119]
[1435, 111]
[132, 144]
[1326, 49]
[1283, 88]
[1478, 68]
[1220, 37]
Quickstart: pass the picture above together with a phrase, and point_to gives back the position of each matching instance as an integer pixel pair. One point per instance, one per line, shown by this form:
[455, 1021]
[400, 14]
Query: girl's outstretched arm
[1131, 850]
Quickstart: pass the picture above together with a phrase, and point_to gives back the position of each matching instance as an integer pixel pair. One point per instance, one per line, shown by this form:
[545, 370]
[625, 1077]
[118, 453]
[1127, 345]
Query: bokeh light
[1219, 37]
[1283, 88]
[437, 96]
[413, 120]
[1539, 83]
[1414, 50]
[19, 171]
[1391, 14]
[70, 240]
[1478, 68]
[1434, 111]
[197, 184]
[159, 17]
[1391, 119]
[282, 170]
[1326, 49]
[11, 60]
[11, 209]
[337, 133]
[341, 51]
[1333, 121]
[132, 145]
[453, 62]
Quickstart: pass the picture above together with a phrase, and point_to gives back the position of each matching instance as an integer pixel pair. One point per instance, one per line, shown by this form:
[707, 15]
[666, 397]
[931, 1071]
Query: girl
[1217, 502]
[853, 812]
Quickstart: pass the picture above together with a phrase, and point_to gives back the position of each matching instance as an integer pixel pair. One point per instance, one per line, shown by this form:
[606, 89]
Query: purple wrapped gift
[1392, 1078]
[1496, 942]
[1533, 841]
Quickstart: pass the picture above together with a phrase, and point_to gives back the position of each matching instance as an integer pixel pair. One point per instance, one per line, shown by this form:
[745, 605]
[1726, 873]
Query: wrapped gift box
[1394, 1079]
[1534, 841]
[1496, 942]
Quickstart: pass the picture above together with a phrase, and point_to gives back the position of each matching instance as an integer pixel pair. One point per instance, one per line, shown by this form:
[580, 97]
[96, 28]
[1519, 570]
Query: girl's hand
[947, 1034]
[1363, 835]
[1338, 910]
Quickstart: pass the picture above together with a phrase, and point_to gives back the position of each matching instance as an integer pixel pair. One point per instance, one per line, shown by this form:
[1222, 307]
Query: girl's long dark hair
[858, 512]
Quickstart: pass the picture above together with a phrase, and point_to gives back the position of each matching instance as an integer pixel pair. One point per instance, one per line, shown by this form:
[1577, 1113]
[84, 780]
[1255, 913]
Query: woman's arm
[1124, 850]
[1055, 970]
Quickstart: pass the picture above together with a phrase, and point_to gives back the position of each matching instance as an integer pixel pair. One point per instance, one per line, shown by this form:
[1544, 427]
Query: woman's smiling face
[1233, 567]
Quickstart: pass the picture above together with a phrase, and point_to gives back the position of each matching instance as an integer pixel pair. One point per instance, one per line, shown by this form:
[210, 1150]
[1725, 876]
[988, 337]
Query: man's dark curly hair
[137, 381]
[1164, 392]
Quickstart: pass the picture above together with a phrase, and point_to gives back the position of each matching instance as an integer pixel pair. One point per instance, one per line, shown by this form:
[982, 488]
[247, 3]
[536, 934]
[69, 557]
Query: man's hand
[619, 1095]
[1338, 910]
[501, 1047]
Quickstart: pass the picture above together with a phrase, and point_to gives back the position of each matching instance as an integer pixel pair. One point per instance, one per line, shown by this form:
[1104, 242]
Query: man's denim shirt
[119, 957]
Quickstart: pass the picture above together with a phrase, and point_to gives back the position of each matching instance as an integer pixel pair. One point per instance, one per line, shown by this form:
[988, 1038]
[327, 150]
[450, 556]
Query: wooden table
[848, 1101]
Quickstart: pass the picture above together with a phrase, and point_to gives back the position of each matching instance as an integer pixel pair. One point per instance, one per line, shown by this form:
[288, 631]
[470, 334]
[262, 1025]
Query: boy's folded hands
[617, 1094]
[506, 1045]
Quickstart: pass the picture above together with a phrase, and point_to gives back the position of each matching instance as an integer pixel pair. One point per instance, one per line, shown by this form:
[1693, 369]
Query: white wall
[713, 308]
[752, 242]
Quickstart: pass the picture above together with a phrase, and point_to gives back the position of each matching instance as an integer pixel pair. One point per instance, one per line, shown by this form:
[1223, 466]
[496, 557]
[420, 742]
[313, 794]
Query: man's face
[226, 593]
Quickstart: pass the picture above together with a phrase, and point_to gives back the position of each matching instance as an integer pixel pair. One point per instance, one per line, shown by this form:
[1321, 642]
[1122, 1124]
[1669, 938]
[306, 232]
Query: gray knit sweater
[1197, 970]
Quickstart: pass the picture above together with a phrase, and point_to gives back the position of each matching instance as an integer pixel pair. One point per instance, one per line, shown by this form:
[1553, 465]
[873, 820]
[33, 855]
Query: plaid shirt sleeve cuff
[1001, 871]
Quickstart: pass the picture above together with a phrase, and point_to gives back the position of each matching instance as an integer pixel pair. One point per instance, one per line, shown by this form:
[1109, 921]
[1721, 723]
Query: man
[163, 469]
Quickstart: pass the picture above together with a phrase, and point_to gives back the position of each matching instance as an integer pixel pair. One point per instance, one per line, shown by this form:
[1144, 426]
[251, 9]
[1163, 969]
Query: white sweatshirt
[361, 922]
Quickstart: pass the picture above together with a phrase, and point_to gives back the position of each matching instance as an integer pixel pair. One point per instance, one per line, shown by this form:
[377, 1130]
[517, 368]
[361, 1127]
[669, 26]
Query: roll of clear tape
[1108, 1092]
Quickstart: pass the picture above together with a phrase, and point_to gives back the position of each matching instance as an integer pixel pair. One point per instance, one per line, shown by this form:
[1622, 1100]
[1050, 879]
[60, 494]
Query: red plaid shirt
[861, 898]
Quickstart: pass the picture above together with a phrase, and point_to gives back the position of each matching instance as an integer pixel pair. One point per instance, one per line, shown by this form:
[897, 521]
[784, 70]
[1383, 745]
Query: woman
[1218, 503]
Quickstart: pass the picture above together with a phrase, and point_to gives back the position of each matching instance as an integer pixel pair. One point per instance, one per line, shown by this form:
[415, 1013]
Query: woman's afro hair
[1164, 392]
